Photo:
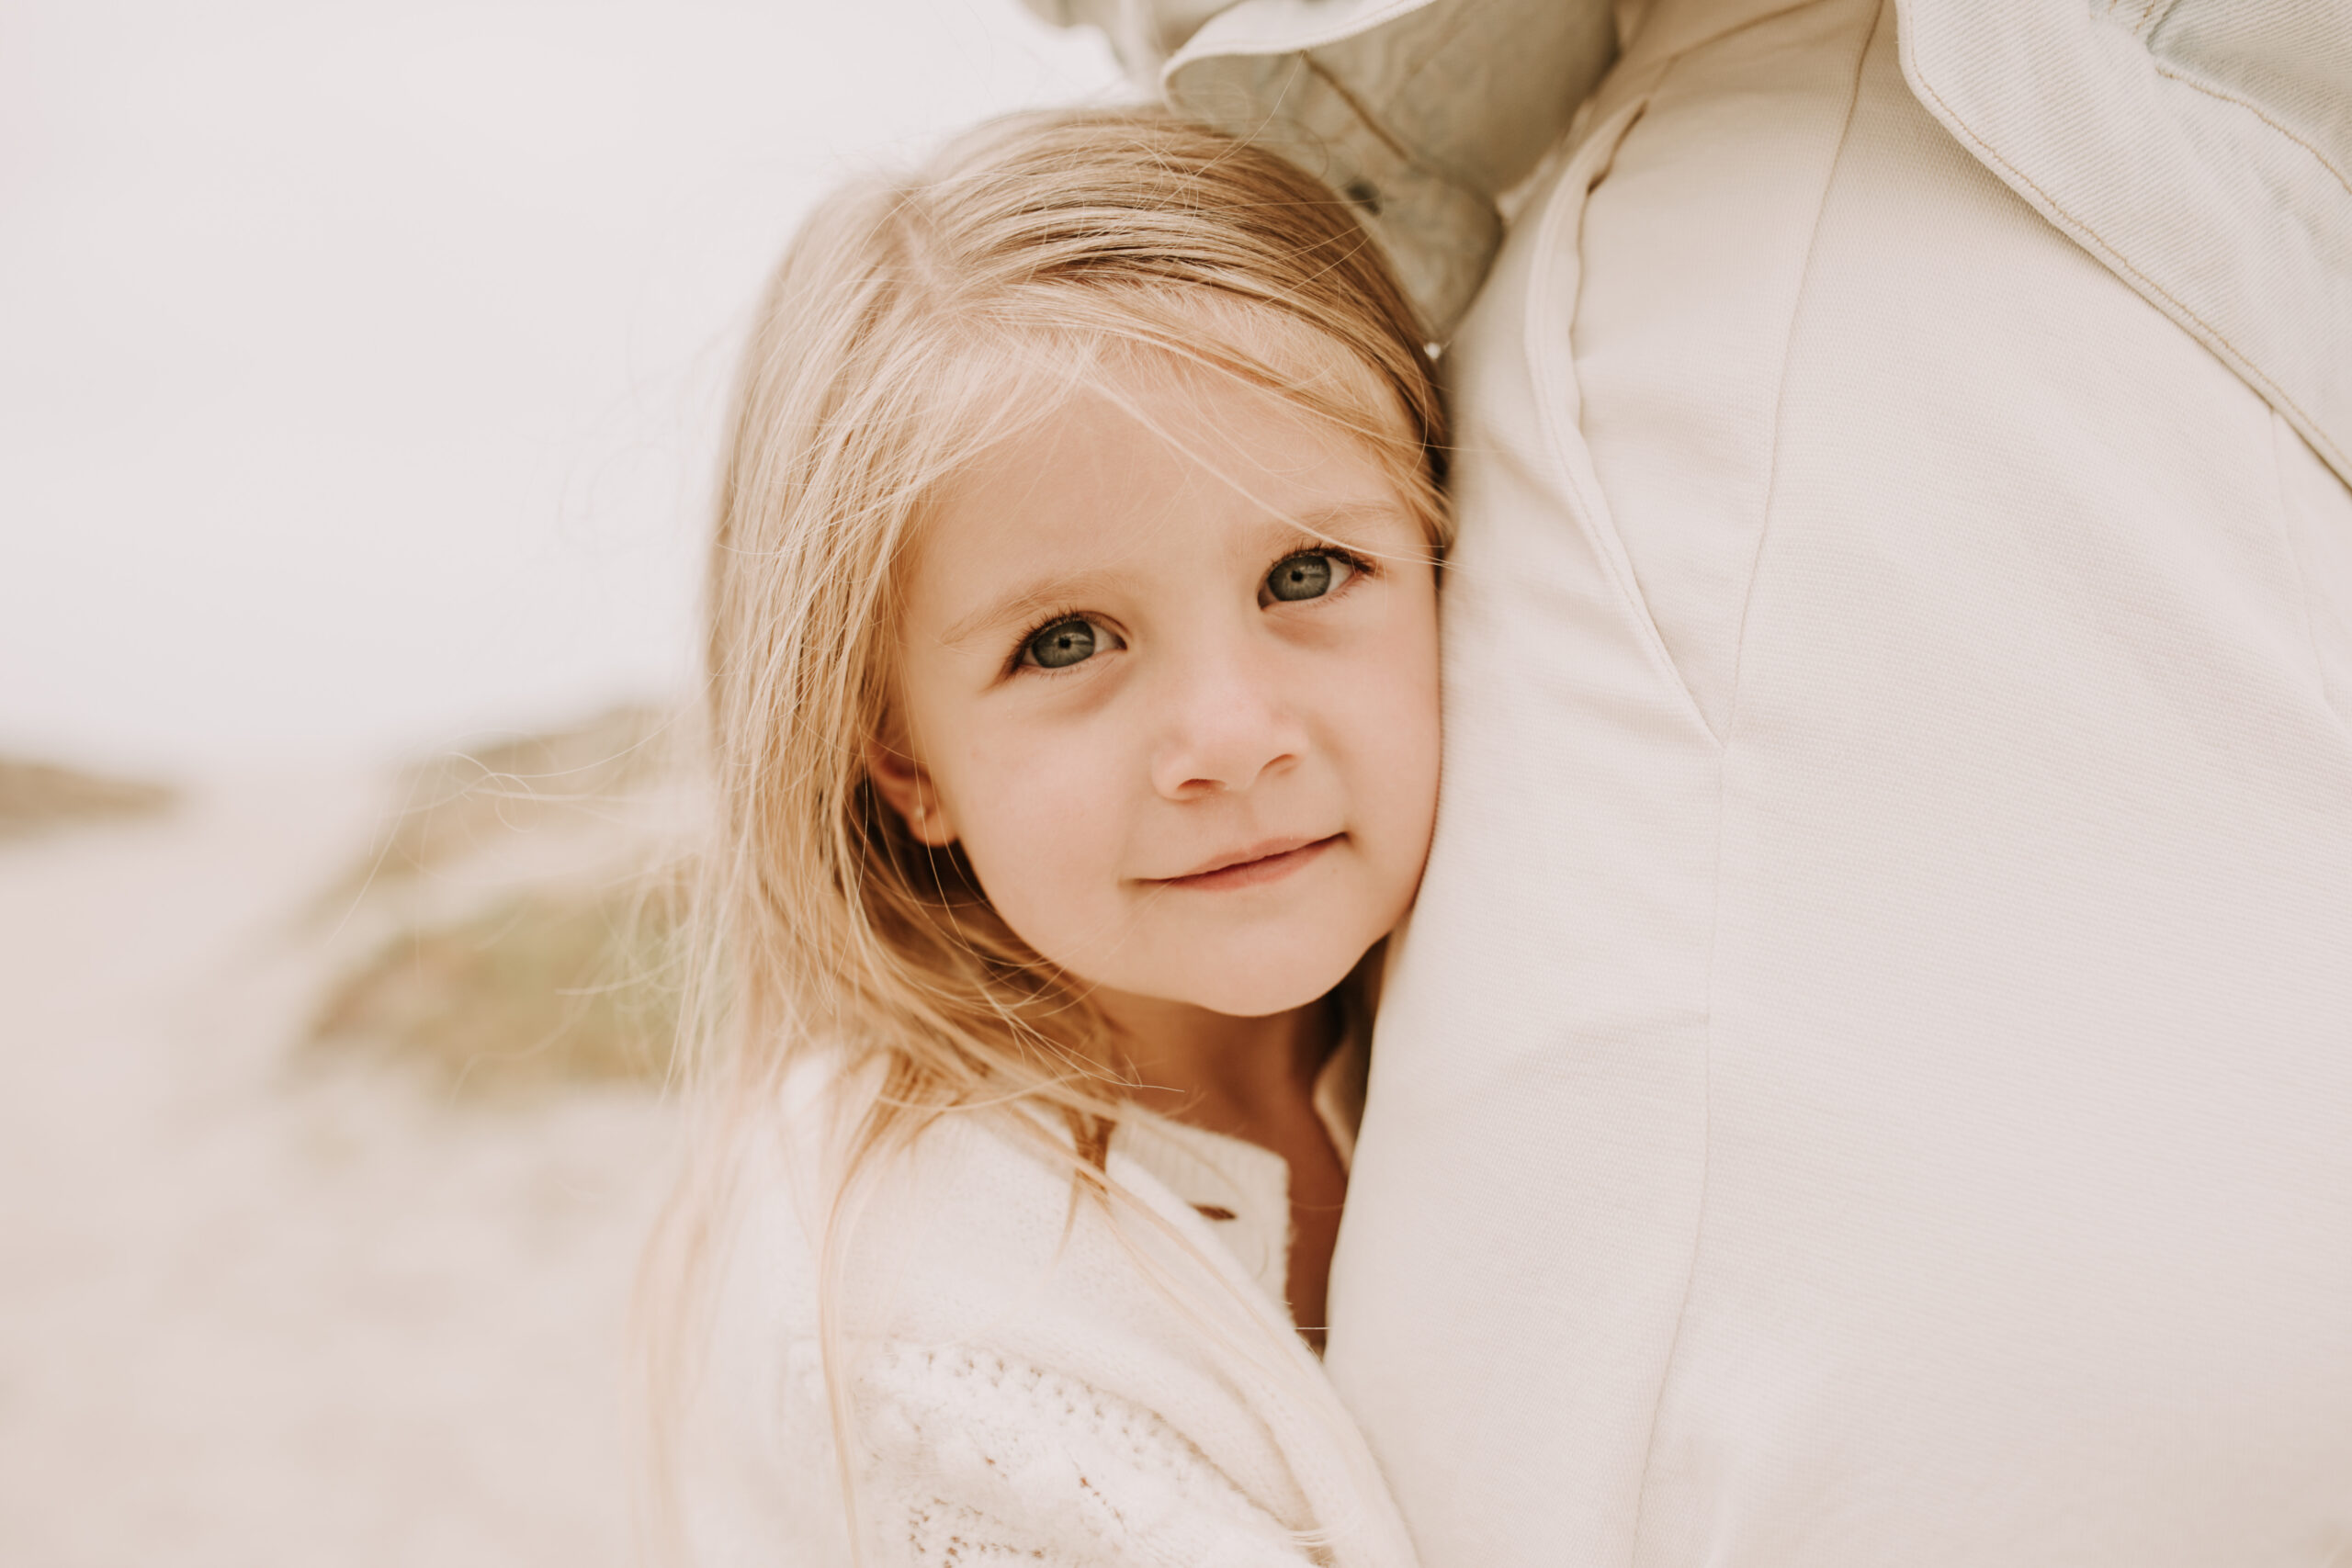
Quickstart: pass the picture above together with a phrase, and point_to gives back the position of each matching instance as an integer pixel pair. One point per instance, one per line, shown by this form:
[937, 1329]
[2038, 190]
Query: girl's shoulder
[937, 1203]
[857, 1312]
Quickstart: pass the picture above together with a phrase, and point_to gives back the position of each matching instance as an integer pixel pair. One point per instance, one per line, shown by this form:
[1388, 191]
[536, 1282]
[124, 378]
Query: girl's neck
[1253, 1078]
[1238, 1075]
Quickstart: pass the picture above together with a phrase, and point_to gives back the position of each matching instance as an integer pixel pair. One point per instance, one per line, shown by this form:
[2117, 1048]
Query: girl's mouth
[1258, 863]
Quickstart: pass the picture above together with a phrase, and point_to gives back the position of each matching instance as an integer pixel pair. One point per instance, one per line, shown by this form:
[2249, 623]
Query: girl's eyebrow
[1034, 597]
[1334, 519]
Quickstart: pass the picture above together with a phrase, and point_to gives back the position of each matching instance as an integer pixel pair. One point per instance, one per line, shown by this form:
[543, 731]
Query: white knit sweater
[1027, 1380]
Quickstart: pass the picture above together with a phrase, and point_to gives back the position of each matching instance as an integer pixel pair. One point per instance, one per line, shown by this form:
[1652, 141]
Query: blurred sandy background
[359, 373]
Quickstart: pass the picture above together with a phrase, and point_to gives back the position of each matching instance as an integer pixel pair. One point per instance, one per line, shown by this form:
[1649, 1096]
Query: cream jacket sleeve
[1870, 1077]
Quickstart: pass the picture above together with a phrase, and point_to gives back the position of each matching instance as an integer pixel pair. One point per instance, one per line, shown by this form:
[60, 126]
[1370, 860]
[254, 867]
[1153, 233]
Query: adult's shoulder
[2200, 150]
[1422, 112]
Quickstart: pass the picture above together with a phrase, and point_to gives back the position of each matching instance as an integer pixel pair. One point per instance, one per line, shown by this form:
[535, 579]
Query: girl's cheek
[1042, 819]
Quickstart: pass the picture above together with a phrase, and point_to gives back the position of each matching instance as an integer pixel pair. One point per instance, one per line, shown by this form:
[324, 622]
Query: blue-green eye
[1310, 575]
[1059, 646]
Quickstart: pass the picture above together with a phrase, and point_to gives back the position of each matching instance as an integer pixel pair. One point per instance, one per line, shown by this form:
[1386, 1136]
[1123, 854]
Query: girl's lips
[1258, 864]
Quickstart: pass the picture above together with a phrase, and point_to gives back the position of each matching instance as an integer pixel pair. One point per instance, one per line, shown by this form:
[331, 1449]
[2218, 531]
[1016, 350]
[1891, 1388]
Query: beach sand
[260, 1304]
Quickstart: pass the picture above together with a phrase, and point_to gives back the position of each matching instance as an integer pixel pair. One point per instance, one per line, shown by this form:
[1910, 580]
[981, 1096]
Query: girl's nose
[1226, 724]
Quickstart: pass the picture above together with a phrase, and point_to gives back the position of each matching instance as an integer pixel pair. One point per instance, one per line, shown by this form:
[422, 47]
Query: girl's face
[1169, 675]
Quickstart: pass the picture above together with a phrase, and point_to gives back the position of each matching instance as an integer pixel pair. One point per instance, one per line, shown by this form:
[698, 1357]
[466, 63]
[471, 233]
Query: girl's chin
[1239, 993]
[1228, 973]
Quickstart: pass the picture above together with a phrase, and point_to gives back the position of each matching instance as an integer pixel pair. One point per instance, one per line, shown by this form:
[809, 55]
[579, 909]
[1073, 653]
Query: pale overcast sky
[359, 363]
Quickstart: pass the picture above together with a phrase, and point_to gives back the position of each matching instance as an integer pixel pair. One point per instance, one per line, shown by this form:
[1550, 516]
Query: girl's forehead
[1059, 399]
[1160, 477]
[1036, 355]
[1134, 422]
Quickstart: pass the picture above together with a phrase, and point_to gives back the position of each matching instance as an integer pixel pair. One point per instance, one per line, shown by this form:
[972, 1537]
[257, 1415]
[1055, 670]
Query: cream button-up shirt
[1241, 1190]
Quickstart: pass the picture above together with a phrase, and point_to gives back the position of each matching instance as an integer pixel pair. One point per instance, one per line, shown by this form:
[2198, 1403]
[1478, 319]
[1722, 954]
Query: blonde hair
[912, 323]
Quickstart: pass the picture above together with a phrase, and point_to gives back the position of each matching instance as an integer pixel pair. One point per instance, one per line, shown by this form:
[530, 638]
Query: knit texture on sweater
[973, 1459]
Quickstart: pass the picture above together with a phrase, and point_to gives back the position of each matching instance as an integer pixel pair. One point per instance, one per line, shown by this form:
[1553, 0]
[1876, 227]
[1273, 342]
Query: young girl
[1073, 670]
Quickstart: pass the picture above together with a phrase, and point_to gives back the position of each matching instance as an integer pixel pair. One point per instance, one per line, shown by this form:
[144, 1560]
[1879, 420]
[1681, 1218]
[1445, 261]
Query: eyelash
[1357, 566]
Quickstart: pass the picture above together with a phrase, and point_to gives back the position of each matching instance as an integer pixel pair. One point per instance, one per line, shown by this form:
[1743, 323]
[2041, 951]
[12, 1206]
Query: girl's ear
[907, 787]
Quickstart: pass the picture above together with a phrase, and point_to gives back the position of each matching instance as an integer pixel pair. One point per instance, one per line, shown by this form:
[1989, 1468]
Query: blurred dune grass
[36, 797]
[459, 805]
[513, 928]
